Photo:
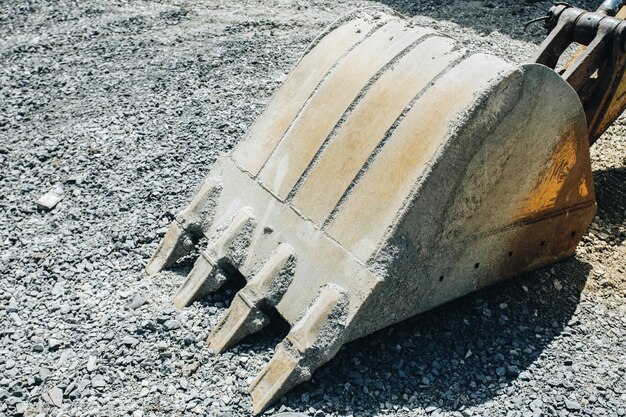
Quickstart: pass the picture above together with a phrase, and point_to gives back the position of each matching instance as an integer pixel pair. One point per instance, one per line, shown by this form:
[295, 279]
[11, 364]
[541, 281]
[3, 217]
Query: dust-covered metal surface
[407, 174]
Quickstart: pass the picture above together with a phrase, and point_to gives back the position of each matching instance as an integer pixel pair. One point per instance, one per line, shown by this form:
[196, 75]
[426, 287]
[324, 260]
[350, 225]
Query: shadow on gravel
[611, 197]
[463, 353]
[486, 16]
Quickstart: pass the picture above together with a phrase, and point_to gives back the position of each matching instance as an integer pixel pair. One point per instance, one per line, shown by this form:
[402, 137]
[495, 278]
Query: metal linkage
[610, 7]
[596, 71]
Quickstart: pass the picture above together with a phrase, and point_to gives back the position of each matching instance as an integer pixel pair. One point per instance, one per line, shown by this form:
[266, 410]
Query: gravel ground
[124, 105]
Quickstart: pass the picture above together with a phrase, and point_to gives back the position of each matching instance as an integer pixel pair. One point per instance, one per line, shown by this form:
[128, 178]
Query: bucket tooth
[205, 276]
[281, 374]
[242, 318]
[232, 244]
[176, 243]
[199, 213]
[266, 287]
[185, 230]
[314, 339]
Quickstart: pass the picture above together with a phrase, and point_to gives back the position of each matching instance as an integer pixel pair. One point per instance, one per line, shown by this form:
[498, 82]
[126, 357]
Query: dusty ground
[125, 104]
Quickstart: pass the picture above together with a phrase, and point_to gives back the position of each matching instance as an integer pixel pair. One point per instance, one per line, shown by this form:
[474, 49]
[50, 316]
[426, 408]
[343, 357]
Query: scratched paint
[544, 194]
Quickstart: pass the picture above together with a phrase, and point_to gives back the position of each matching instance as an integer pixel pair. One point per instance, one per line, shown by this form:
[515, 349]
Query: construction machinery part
[393, 172]
[597, 70]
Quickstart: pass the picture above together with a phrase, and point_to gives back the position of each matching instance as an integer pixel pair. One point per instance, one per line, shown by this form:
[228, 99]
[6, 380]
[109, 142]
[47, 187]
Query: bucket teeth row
[313, 340]
[231, 246]
[185, 231]
[265, 289]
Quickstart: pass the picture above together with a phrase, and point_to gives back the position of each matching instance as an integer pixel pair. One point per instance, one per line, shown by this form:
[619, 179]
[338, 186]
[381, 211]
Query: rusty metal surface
[597, 69]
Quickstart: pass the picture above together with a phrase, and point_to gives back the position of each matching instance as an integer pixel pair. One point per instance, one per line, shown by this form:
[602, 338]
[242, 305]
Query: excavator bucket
[392, 172]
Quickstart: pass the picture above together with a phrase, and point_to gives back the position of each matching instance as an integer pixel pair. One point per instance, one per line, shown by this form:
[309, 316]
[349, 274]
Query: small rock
[91, 364]
[50, 199]
[536, 404]
[54, 396]
[137, 302]
[20, 408]
[16, 319]
[58, 287]
[162, 319]
[54, 344]
[191, 368]
[98, 381]
[172, 324]
[183, 383]
[77, 178]
[557, 285]
[43, 373]
[38, 347]
[572, 405]
[500, 371]
[129, 341]
[513, 370]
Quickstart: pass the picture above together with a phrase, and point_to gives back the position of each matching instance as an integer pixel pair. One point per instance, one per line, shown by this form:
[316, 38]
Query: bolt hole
[543, 243]
[573, 233]
[510, 254]
[441, 278]
[476, 265]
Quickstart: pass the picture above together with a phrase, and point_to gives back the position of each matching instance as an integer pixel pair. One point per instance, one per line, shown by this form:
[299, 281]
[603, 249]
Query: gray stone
[20, 408]
[137, 302]
[172, 324]
[183, 383]
[129, 341]
[98, 381]
[54, 344]
[50, 199]
[572, 405]
[91, 363]
[54, 396]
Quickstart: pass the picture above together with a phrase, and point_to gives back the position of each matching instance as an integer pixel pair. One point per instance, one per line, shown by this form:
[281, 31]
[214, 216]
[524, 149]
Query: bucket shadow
[610, 187]
[463, 353]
